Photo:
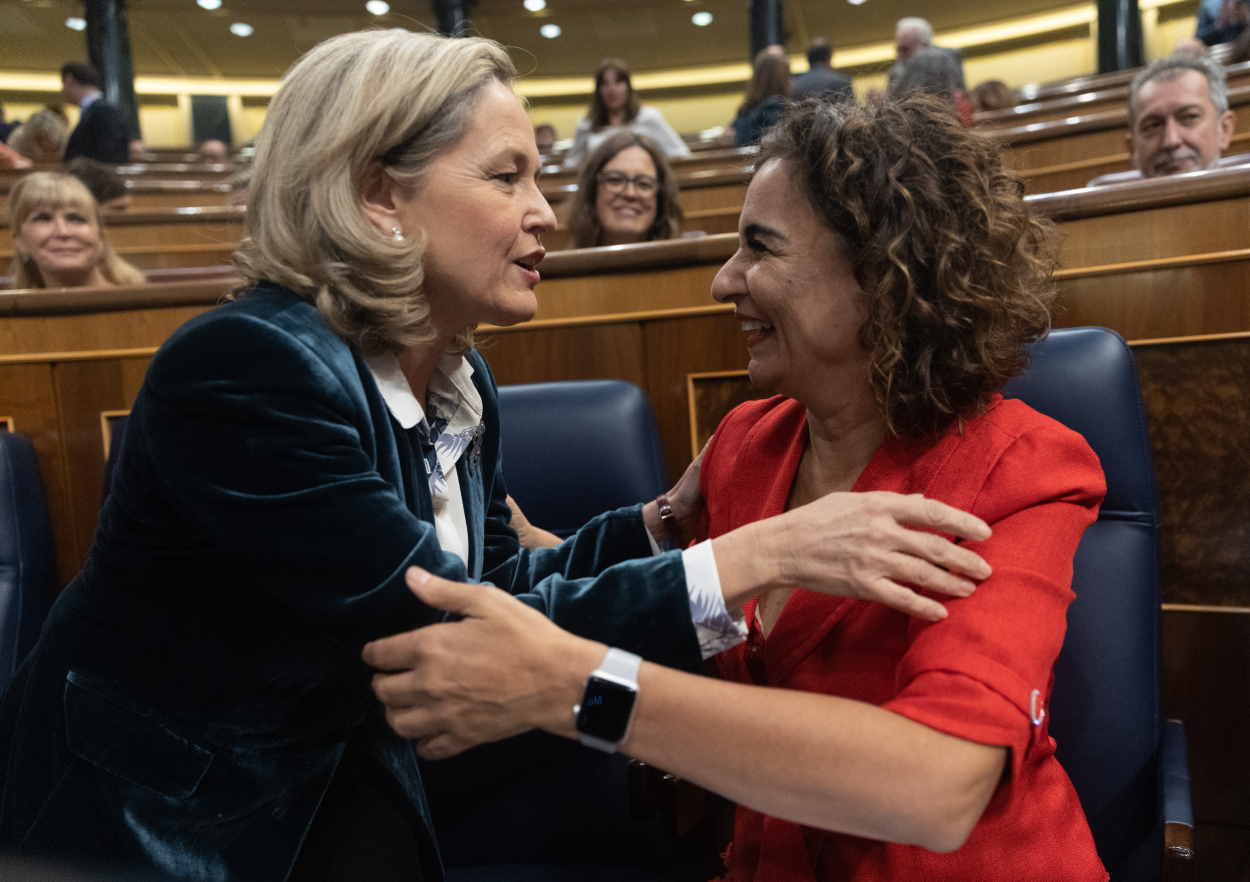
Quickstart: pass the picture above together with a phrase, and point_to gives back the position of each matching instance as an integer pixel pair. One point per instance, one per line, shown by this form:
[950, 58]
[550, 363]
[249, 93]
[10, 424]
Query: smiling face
[1177, 128]
[64, 243]
[482, 215]
[626, 196]
[794, 292]
[614, 90]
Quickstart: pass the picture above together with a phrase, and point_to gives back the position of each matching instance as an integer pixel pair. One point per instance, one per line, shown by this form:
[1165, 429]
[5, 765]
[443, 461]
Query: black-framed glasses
[617, 182]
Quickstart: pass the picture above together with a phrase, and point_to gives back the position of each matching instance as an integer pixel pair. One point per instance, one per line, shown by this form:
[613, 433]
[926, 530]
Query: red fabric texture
[1039, 486]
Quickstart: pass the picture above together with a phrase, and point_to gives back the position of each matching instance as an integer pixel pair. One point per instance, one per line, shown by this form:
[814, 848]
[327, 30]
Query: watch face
[605, 709]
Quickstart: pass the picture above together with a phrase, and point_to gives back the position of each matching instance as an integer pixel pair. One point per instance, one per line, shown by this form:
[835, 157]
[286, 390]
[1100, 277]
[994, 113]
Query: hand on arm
[814, 759]
[689, 508]
[865, 545]
[530, 535]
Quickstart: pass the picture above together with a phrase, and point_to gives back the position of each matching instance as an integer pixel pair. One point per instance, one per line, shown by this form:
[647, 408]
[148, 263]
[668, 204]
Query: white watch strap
[621, 666]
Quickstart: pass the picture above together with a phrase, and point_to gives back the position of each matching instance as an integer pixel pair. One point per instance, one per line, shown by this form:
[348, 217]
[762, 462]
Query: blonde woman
[57, 238]
[42, 137]
[197, 701]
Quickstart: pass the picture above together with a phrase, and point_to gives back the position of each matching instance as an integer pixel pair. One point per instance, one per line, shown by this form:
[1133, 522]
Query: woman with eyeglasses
[626, 193]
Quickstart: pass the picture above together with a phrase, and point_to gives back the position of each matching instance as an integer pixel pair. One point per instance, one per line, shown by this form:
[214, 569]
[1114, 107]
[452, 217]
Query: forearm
[814, 759]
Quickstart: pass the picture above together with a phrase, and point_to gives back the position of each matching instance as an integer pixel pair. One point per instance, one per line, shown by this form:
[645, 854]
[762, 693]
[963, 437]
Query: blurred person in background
[1179, 118]
[765, 99]
[102, 132]
[106, 185]
[821, 80]
[615, 105]
[42, 137]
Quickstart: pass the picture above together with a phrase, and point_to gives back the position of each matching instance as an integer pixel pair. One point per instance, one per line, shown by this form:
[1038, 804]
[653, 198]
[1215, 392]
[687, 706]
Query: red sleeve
[973, 674]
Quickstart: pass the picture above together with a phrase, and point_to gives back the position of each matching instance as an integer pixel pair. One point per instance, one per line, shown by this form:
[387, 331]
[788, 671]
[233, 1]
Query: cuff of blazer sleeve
[716, 627]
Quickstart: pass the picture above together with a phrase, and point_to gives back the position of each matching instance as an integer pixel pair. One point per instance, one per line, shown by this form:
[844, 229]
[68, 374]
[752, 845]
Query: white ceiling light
[241, 29]
[377, 7]
[701, 19]
[535, 5]
[855, 2]
[550, 31]
[74, 23]
[208, 4]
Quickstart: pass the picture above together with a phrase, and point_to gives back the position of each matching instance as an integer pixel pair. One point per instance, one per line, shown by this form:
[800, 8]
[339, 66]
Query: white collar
[452, 383]
[88, 100]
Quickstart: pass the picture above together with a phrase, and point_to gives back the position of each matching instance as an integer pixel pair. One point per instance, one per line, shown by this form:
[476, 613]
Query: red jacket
[983, 674]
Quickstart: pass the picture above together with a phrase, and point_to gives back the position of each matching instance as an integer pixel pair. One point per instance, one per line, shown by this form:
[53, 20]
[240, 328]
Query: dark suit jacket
[101, 134]
[195, 686]
[820, 82]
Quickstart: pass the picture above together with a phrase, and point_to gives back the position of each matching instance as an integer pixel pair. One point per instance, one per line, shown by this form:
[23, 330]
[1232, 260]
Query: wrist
[746, 564]
[578, 661]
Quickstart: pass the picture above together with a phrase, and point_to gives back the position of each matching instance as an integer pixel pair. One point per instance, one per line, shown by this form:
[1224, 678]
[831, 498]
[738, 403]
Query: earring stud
[397, 235]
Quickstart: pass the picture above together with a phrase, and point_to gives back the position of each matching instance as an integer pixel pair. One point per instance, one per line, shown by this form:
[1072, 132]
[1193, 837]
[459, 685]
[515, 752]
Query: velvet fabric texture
[197, 683]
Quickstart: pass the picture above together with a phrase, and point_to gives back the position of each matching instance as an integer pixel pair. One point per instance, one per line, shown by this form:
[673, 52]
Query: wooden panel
[28, 396]
[1159, 300]
[710, 396]
[1206, 678]
[86, 391]
[1151, 233]
[1199, 415]
[648, 289]
[88, 332]
[572, 353]
[147, 257]
[674, 348]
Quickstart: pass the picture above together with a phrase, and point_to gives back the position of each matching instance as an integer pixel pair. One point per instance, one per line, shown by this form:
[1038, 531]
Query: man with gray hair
[912, 35]
[1179, 119]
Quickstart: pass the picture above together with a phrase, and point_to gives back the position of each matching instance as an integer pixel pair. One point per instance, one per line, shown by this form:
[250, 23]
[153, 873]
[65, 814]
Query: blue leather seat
[575, 449]
[557, 810]
[1105, 707]
[27, 564]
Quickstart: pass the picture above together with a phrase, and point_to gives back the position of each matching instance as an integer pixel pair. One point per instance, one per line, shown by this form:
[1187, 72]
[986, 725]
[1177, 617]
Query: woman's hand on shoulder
[877, 546]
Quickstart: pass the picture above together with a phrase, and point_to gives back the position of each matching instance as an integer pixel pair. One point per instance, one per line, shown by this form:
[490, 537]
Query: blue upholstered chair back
[27, 566]
[1104, 713]
[575, 449]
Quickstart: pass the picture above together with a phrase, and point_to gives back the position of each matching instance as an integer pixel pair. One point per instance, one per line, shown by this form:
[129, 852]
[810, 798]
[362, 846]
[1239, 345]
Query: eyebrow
[760, 231]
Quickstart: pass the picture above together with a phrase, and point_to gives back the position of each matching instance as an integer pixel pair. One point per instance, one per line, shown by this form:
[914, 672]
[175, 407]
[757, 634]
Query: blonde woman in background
[41, 138]
[57, 238]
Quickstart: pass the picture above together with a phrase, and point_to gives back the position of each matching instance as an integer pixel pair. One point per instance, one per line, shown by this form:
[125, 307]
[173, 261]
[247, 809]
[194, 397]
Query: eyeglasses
[616, 182]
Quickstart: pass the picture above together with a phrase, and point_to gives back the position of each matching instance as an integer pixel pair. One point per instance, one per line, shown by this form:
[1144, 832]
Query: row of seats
[1129, 769]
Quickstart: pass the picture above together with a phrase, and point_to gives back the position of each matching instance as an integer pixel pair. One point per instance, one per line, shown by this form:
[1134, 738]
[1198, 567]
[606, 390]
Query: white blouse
[452, 392]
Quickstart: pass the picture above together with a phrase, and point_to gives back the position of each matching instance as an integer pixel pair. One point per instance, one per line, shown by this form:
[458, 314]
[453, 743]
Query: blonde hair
[358, 105]
[54, 191]
[42, 137]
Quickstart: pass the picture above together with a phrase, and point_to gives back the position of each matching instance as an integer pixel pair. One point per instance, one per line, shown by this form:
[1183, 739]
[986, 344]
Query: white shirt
[649, 122]
[452, 392]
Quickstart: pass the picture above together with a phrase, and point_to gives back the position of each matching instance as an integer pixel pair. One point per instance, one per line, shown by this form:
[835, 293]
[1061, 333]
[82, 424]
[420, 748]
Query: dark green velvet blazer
[196, 684]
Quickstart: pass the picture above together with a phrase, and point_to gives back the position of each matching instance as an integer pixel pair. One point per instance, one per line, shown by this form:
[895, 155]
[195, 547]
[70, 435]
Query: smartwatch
[607, 707]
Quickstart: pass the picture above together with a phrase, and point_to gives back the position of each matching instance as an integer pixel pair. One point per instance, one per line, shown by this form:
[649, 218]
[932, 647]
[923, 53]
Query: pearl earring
[397, 235]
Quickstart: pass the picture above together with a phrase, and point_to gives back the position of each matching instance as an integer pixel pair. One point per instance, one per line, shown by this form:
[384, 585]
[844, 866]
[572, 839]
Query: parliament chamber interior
[1161, 259]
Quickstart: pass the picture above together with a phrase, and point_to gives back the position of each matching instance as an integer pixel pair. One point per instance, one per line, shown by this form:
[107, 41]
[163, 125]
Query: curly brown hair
[584, 219]
[954, 267]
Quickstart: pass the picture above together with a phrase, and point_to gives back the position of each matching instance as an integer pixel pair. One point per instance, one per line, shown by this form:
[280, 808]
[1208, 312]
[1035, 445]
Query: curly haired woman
[887, 281]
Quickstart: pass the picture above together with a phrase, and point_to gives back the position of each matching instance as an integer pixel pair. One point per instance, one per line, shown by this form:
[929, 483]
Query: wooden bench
[1081, 103]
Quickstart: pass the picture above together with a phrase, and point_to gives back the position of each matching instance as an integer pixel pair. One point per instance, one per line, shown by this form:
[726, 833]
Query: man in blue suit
[101, 133]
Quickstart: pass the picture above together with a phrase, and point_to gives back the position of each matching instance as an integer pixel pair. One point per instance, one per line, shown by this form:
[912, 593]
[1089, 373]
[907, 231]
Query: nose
[60, 227]
[1172, 133]
[728, 285]
[540, 218]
